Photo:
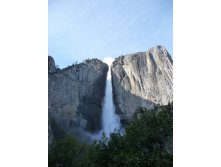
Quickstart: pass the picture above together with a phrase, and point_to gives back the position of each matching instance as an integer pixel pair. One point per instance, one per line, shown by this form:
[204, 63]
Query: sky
[81, 29]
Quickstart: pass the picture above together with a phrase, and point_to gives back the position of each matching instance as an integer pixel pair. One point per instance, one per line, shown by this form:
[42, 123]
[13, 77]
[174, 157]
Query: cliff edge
[142, 79]
[75, 96]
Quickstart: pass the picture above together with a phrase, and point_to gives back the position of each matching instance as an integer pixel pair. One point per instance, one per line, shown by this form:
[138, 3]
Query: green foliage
[69, 152]
[147, 142]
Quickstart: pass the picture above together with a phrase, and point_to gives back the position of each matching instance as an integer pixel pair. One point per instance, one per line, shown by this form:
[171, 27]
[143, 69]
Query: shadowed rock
[75, 95]
[51, 65]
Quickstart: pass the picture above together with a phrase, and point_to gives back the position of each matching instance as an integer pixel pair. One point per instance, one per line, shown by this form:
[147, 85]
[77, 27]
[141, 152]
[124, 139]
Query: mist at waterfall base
[110, 120]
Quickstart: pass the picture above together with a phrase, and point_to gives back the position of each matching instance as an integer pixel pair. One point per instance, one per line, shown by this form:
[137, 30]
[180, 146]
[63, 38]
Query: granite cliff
[142, 79]
[75, 96]
[51, 65]
[76, 93]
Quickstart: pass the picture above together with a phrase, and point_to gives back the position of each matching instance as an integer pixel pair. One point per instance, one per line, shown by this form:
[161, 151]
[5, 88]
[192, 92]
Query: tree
[69, 152]
[147, 141]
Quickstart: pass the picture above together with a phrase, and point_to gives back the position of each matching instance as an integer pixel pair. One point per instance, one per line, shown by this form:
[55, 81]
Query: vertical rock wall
[75, 96]
[142, 79]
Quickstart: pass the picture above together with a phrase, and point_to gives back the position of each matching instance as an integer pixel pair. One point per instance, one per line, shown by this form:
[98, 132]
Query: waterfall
[110, 120]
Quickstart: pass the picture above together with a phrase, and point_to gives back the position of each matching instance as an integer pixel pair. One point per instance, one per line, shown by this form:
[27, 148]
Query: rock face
[51, 65]
[75, 95]
[50, 136]
[142, 79]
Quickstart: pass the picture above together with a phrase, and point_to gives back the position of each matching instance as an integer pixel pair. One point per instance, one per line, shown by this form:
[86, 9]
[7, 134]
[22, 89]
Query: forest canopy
[147, 141]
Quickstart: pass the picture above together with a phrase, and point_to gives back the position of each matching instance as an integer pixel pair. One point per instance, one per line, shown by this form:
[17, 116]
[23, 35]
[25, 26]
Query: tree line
[147, 142]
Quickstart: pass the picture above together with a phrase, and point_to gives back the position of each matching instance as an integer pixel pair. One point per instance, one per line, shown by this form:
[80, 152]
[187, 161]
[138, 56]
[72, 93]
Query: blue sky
[81, 29]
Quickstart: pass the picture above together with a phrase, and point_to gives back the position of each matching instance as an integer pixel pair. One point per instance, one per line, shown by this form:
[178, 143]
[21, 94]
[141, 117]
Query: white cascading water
[110, 120]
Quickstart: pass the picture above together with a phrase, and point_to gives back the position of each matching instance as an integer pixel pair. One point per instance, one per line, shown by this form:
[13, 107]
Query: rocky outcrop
[51, 65]
[75, 95]
[142, 79]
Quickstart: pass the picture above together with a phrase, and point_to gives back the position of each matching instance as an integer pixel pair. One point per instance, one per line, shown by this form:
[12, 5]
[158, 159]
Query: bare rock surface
[75, 95]
[142, 79]
[51, 65]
